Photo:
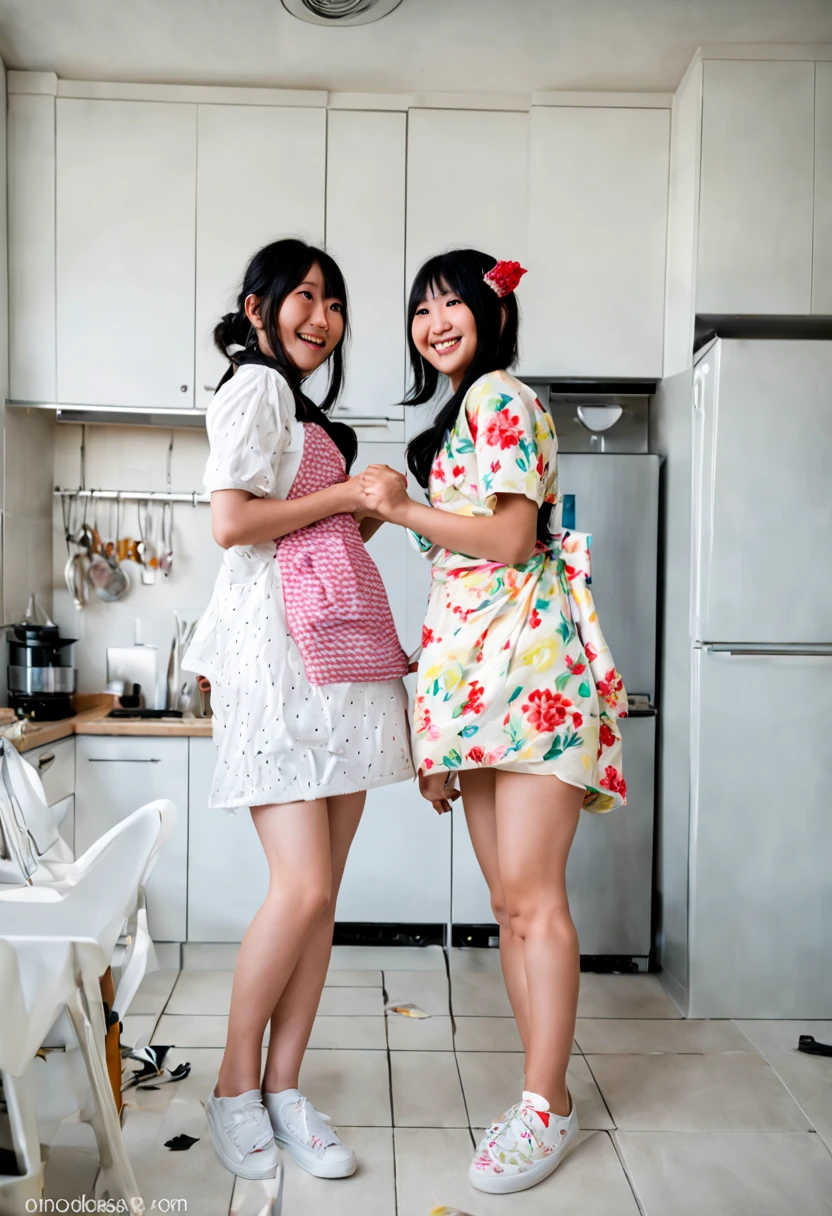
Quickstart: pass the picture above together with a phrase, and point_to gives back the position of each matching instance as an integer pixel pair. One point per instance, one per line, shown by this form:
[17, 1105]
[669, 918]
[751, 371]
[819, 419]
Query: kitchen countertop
[91, 719]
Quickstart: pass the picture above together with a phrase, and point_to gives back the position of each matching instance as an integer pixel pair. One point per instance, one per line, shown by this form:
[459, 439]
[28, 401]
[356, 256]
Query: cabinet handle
[183, 388]
[45, 762]
[121, 760]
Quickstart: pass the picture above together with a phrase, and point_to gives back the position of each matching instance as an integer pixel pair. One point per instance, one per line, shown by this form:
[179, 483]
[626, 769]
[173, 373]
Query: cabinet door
[114, 776]
[399, 868]
[756, 191]
[365, 184]
[31, 220]
[597, 201]
[822, 257]
[228, 875]
[126, 180]
[466, 184]
[240, 208]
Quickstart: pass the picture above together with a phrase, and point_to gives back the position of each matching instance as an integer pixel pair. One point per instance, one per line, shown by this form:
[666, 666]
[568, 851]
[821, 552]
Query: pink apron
[336, 605]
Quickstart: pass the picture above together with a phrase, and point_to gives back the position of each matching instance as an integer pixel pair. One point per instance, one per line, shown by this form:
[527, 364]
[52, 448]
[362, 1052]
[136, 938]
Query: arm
[368, 525]
[239, 518]
[508, 536]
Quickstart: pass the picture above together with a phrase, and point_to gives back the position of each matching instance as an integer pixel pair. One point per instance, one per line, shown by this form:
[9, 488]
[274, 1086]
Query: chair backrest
[13, 1019]
[100, 889]
[167, 811]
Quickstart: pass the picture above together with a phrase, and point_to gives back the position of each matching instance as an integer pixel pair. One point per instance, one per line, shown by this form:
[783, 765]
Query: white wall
[128, 458]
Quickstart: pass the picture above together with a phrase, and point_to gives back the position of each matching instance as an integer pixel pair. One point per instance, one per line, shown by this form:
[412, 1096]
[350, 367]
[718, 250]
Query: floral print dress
[514, 670]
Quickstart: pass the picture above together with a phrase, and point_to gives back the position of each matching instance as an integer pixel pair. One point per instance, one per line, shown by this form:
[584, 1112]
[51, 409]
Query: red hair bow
[504, 277]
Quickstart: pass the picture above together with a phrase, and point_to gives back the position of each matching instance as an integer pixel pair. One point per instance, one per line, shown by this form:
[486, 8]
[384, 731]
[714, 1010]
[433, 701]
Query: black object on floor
[812, 1047]
[180, 1143]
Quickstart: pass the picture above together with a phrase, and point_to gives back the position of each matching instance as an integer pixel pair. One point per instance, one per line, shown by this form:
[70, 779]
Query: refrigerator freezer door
[617, 500]
[761, 837]
[762, 450]
[609, 875]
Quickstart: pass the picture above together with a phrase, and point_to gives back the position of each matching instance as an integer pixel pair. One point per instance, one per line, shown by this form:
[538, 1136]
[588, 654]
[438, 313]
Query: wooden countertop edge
[91, 719]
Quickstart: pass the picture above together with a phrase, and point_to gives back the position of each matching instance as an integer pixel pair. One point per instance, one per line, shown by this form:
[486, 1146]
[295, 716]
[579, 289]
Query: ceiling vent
[340, 12]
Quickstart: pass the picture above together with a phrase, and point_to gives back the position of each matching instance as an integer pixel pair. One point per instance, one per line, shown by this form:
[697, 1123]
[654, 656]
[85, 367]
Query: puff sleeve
[248, 426]
[512, 443]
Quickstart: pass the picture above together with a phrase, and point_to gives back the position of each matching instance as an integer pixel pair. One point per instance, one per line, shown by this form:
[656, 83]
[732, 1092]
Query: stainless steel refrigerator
[745, 823]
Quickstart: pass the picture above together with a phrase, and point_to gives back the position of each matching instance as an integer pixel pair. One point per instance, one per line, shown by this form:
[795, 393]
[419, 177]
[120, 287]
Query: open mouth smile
[446, 345]
[312, 340]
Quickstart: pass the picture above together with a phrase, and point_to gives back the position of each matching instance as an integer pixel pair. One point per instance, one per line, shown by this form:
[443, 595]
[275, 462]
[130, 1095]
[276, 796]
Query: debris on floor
[153, 1072]
[181, 1143]
[407, 1011]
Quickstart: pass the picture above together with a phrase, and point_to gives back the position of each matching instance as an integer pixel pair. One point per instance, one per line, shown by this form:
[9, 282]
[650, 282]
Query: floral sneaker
[308, 1135]
[528, 1145]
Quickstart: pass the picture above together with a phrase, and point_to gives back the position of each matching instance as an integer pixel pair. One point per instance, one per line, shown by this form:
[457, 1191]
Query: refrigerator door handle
[771, 651]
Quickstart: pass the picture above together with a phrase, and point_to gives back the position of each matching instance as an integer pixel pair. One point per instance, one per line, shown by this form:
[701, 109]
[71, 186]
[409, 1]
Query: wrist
[404, 514]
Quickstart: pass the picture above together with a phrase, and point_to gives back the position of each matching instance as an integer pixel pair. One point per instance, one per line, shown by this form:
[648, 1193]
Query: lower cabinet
[114, 776]
[399, 868]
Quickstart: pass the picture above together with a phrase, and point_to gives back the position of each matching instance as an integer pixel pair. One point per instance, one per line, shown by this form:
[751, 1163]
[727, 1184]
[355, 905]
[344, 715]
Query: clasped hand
[383, 493]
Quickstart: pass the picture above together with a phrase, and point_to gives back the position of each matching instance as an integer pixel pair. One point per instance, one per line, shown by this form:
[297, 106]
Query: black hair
[272, 273]
[459, 271]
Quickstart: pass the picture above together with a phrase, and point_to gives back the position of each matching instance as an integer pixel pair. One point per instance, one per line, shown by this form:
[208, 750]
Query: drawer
[55, 765]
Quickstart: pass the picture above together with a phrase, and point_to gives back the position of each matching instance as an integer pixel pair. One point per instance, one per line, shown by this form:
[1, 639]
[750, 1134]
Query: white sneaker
[308, 1135]
[528, 1147]
[242, 1135]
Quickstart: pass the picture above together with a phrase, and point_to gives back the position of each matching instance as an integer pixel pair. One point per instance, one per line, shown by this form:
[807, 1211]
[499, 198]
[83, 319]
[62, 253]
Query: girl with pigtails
[517, 696]
[305, 668]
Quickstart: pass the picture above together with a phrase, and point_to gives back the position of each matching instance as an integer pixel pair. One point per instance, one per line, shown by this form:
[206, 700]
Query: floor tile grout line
[630, 1180]
[600, 1093]
[384, 997]
[453, 1043]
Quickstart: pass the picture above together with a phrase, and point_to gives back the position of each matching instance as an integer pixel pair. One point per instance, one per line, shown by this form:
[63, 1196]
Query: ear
[252, 311]
[503, 316]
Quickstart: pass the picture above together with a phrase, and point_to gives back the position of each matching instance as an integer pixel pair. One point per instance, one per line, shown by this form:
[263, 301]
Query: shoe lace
[308, 1125]
[517, 1134]
[249, 1128]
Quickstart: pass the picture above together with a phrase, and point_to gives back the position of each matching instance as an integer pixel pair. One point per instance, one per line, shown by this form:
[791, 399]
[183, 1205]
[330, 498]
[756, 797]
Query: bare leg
[294, 1016]
[478, 798]
[295, 837]
[536, 822]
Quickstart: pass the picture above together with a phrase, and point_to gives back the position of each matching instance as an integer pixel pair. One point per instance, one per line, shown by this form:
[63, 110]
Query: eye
[336, 307]
[453, 300]
[421, 312]
[307, 295]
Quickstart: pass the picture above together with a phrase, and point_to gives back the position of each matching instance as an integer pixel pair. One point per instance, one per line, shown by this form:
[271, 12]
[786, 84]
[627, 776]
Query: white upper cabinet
[597, 205]
[822, 268]
[31, 211]
[126, 182]
[466, 184]
[261, 175]
[365, 217]
[756, 188]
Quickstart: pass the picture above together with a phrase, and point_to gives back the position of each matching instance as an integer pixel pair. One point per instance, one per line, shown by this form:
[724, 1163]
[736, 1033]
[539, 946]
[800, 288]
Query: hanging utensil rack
[192, 496]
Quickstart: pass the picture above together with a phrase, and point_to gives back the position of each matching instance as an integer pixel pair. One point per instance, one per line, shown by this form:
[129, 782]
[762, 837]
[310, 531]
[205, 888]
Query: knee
[529, 915]
[311, 897]
[499, 910]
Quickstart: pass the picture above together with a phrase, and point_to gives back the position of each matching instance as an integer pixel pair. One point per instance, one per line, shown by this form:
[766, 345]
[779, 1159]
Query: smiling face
[445, 333]
[309, 324]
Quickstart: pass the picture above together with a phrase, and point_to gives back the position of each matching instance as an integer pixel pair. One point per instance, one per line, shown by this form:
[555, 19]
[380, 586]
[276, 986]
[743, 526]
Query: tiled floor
[679, 1118]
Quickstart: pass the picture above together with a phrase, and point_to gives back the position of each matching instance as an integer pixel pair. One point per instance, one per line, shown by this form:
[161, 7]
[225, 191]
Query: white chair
[63, 935]
[28, 1185]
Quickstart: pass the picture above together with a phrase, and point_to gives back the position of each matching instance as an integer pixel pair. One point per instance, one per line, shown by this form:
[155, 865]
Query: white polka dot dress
[279, 738]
